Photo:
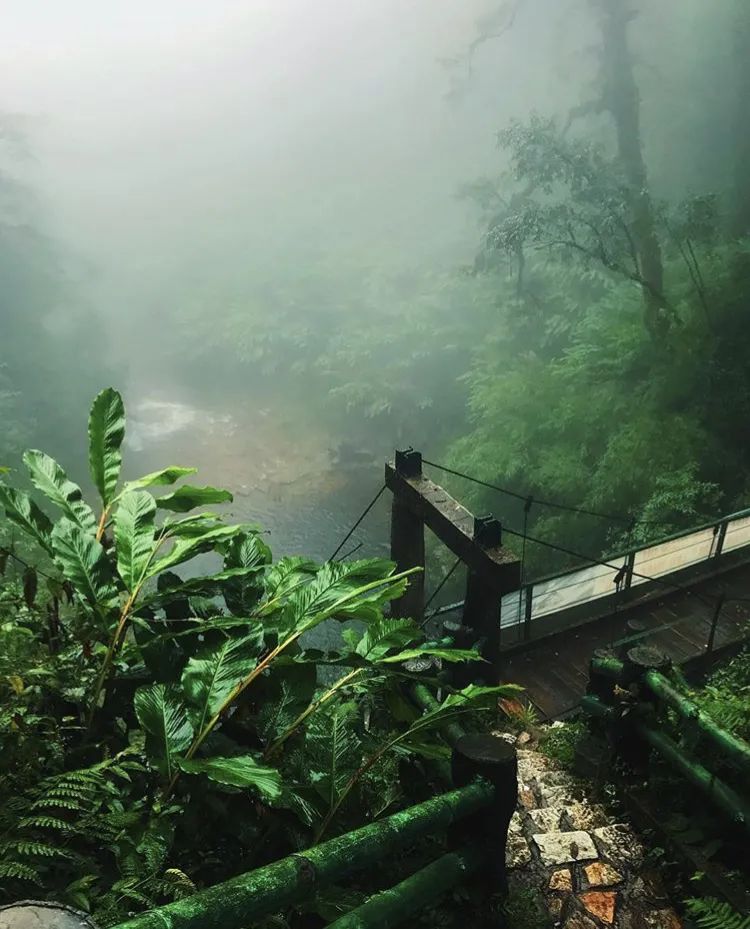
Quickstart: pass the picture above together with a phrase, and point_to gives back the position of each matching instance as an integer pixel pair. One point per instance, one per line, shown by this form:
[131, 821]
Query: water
[278, 465]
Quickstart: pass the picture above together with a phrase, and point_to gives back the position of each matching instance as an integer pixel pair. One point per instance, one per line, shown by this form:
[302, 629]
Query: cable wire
[437, 590]
[356, 525]
[582, 511]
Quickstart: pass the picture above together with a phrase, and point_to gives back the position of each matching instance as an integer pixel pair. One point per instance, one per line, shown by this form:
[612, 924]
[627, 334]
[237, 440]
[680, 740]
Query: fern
[332, 751]
[710, 913]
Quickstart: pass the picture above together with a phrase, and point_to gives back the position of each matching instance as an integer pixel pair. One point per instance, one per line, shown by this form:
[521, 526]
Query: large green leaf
[188, 496]
[385, 634]
[134, 535]
[185, 549]
[285, 692]
[237, 771]
[48, 477]
[83, 562]
[454, 707]
[445, 654]
[164, 719]
[287, 575]
[21, 509]
[162, 478]
[191, 526]
[249, 554]
[106, 432]
[346, 590]
[211, 676]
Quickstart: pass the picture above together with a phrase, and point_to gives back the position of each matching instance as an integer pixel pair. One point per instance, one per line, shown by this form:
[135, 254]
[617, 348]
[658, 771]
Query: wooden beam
[453, 524]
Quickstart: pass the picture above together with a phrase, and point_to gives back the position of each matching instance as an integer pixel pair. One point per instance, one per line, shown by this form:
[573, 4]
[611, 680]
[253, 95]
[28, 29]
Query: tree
[621, 99]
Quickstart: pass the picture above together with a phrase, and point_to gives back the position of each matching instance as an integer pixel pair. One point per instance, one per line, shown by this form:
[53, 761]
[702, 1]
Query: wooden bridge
[688, 594]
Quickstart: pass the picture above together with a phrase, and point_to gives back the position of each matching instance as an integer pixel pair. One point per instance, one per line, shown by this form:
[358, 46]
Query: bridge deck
[554, 670]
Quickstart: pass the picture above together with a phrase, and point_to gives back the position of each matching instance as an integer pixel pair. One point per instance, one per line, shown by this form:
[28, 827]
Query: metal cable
[354, 528]
[612, 517]
[437, 590]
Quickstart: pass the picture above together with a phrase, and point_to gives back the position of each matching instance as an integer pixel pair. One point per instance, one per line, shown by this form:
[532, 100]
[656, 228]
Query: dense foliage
[137, 700]
[725, 695]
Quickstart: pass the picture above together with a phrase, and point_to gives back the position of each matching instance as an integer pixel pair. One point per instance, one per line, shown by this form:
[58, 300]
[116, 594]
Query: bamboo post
[452, 731]
[637, 662]
[407, 541]
[477, 755]
[604, 672]
[734, 806]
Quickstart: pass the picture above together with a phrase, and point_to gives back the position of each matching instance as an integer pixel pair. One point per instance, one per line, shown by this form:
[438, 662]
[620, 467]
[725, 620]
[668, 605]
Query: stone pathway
[589, 868]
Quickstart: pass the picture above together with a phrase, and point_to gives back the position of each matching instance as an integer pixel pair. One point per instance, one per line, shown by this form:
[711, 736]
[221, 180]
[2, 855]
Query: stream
[280, 467]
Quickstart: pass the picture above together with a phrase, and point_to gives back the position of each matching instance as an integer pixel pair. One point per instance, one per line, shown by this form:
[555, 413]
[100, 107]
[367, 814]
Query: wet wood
[453, 524]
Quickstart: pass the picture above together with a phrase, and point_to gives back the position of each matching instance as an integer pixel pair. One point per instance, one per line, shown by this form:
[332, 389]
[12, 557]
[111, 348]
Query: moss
[559, 742]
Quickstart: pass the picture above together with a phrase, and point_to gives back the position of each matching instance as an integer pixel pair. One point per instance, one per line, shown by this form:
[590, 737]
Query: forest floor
[590, 868]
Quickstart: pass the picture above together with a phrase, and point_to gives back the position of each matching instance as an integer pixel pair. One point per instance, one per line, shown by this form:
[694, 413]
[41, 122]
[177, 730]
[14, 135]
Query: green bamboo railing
[636, 719]
[235, 903]
[423, 888]
[728, 800]
[727, 745]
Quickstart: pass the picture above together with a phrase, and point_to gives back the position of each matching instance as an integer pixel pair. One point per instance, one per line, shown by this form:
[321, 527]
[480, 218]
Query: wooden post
[720, 533]
[495, 760]
[407, 541]
[493, 570]
[482, 616]
[482, 606]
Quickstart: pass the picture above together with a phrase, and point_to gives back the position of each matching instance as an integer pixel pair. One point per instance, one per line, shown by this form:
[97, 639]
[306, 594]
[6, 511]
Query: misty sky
[183, 125]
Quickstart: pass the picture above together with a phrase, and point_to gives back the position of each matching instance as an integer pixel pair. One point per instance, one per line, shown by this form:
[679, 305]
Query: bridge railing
[562, 600]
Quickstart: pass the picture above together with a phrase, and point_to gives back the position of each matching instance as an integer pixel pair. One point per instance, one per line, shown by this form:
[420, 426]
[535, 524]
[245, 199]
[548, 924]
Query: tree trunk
[622, 100]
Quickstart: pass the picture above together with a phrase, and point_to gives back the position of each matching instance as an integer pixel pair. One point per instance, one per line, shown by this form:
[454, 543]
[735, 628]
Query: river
[278, 464]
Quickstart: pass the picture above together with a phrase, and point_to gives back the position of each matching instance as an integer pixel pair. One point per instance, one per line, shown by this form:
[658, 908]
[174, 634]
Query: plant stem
[102, 523]
[424, 723]
[261, 667]
[359, 773]
[109, 657]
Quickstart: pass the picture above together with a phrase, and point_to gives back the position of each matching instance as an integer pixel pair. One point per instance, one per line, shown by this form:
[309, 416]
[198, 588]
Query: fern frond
[33, 849]
[180, 884]
[19, 871]
[710, 913]
[44, 822]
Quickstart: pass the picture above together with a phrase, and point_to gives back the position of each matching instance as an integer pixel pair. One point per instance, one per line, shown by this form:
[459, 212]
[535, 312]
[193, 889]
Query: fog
[198, 166]
[169, 135]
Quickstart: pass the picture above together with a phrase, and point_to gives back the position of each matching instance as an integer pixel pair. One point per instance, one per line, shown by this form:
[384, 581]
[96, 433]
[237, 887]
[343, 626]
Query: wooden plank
[453, 524]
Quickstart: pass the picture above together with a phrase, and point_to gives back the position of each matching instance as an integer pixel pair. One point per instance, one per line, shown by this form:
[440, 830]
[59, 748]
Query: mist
[261, 218]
